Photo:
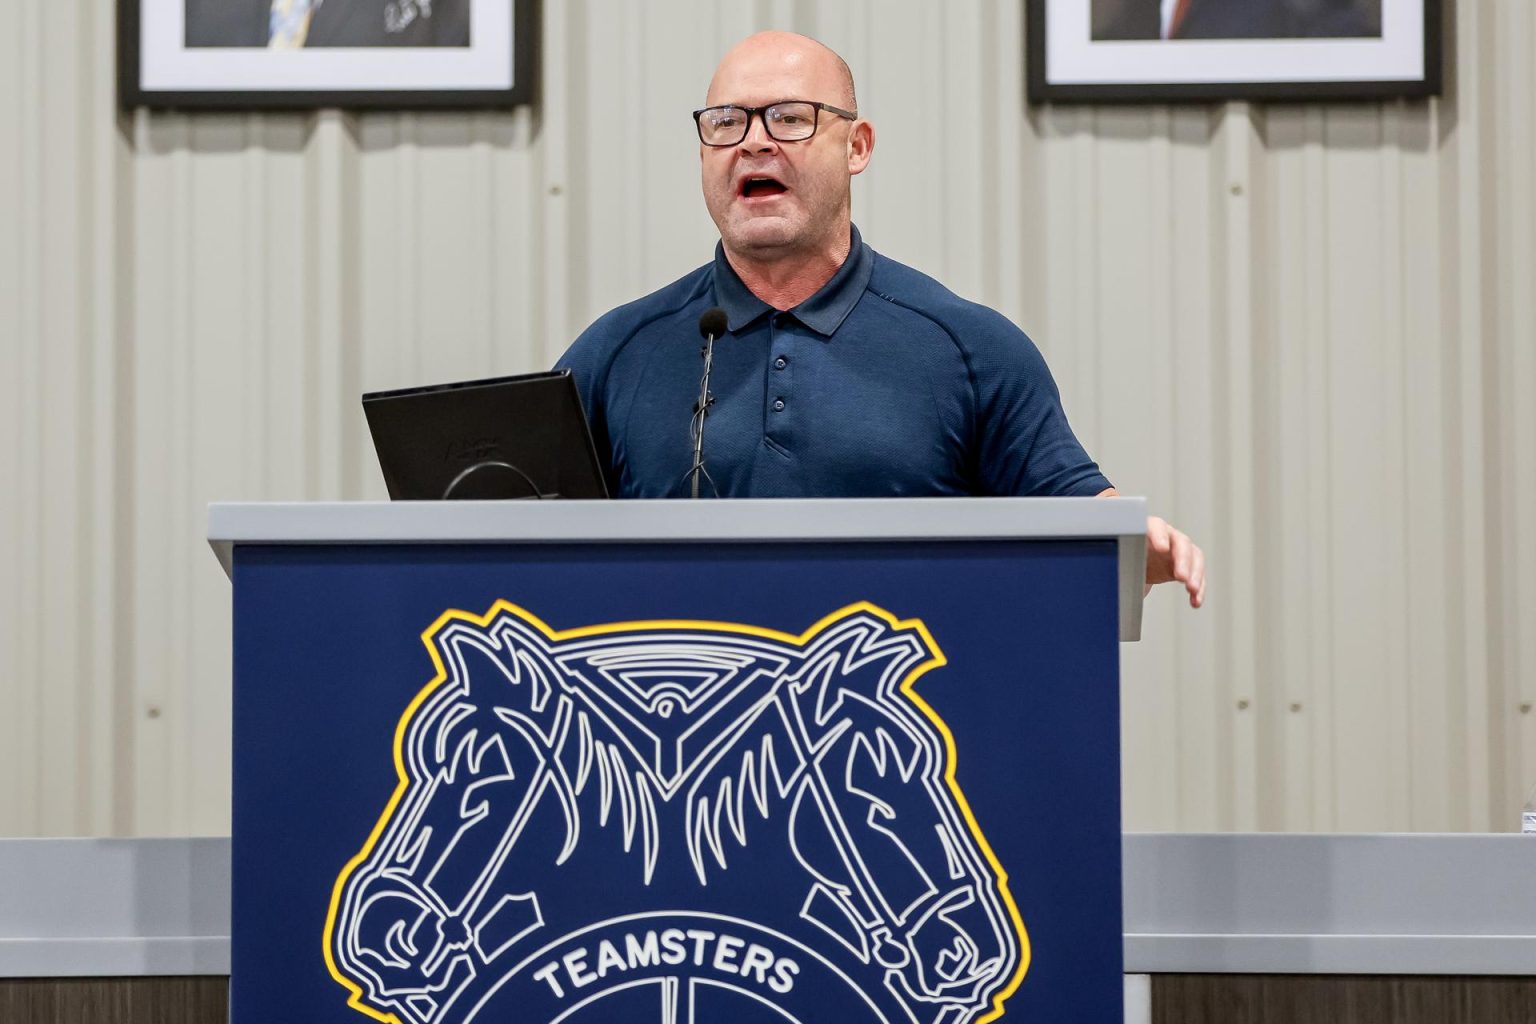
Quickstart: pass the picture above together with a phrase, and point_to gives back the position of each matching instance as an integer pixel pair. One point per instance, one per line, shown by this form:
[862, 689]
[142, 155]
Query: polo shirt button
[781, 362]
[778, 405]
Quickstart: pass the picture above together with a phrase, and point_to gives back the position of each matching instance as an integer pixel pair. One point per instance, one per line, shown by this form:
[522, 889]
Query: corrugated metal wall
[1308, 333]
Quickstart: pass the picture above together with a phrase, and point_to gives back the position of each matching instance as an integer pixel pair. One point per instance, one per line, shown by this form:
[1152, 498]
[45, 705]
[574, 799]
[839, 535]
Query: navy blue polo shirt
[882, 384]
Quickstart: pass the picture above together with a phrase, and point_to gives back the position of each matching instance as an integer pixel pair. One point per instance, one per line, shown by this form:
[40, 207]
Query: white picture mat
[166, 65]
[1074, 58]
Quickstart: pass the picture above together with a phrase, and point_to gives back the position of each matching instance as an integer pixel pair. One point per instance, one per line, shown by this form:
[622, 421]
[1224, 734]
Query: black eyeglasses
[784, 121]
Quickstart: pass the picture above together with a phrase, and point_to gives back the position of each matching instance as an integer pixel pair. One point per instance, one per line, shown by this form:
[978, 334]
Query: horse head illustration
[420, 910]
[651, 744]
[897, 874]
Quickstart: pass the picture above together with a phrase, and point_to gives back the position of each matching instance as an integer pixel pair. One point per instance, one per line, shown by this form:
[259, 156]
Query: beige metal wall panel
[56, 219]
[1307, 332]
[19, 328]
[1514, 256]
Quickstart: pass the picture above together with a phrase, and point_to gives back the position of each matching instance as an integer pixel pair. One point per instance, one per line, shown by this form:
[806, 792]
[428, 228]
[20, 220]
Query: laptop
[504, 437]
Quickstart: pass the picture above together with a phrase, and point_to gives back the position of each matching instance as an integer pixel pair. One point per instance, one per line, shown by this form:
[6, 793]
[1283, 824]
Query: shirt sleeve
[1025, 447]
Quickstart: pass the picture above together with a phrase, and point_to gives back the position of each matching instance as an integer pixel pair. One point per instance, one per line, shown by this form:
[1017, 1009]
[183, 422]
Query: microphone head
[712, 322]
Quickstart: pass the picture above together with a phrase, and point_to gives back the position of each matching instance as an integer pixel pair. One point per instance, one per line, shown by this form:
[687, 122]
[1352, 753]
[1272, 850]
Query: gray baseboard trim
[1194, 904]
[1330, 904]
[114, 907]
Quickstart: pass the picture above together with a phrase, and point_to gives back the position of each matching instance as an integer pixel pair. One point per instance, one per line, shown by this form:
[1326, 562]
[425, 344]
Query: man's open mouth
[758, 186]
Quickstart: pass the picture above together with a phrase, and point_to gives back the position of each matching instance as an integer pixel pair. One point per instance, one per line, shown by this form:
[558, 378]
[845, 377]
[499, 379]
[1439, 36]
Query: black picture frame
[523, 51]
[1040, 88]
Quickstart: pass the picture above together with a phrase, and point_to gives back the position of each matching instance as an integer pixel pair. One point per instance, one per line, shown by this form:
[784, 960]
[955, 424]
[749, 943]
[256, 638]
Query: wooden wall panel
[1347, 999]
[114, 1000]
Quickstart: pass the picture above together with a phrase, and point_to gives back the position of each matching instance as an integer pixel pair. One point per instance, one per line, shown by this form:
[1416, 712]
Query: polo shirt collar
[823, 312]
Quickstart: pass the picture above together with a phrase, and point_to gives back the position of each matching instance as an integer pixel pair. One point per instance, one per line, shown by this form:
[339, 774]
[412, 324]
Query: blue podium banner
[807, 782]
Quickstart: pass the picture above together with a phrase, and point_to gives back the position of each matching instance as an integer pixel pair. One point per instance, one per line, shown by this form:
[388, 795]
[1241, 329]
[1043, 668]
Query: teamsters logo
[676, 822]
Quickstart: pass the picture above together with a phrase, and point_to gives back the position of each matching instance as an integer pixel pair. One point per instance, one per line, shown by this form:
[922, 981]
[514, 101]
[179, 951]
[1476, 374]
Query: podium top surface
[747, 520]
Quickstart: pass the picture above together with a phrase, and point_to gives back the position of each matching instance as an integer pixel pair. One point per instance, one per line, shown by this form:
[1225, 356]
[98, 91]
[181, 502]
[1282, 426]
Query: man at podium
[838, 372]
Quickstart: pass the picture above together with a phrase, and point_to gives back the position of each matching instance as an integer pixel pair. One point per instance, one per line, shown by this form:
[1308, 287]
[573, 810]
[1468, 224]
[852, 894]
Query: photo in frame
[309, 54]
[1162, 51]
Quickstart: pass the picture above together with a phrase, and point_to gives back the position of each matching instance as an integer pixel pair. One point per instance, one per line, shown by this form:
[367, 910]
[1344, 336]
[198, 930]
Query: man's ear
[861, 145]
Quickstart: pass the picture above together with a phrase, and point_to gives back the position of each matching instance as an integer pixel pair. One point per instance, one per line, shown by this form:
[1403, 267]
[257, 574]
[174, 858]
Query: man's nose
[757, 138]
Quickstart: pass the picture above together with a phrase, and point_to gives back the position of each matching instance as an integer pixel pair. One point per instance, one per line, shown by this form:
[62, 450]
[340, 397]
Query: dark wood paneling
[1340, 999]
[1176, 999]
[114, 1000]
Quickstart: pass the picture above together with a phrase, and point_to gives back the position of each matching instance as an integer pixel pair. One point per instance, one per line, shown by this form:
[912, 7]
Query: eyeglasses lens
[786, 122]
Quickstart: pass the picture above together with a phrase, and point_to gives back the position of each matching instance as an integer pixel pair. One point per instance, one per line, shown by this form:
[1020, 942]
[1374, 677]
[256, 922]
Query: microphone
[712, 324]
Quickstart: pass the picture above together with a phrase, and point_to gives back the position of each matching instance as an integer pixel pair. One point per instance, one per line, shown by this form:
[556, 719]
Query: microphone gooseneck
[712, 324]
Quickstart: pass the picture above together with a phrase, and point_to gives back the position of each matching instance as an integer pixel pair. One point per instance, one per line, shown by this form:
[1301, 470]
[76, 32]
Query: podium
[678, 762]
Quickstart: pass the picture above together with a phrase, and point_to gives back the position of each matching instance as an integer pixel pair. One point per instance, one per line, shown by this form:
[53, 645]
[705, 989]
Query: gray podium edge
[739, 521]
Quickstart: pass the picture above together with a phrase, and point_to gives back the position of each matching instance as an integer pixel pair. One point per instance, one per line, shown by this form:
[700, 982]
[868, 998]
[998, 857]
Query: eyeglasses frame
[758, 113]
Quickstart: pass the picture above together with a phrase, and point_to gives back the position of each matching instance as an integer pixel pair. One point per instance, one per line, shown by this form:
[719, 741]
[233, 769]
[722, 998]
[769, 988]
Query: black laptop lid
[506, 437]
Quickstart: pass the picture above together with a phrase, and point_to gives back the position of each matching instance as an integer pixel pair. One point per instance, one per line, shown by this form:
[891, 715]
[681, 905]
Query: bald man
[841, 373]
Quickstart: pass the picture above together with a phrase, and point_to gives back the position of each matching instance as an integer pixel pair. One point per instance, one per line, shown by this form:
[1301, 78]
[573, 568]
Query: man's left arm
[1027, 447]
[1171, 556]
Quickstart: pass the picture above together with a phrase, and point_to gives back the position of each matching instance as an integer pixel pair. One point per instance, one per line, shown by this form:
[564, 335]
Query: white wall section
[1307, 333]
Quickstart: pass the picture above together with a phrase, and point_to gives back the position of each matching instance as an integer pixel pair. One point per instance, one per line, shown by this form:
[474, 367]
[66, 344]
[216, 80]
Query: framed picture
[305, 54]
[1171, 50]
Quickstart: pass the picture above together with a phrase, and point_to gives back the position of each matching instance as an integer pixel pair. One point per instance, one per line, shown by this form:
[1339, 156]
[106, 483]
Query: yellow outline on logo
[507, 607]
